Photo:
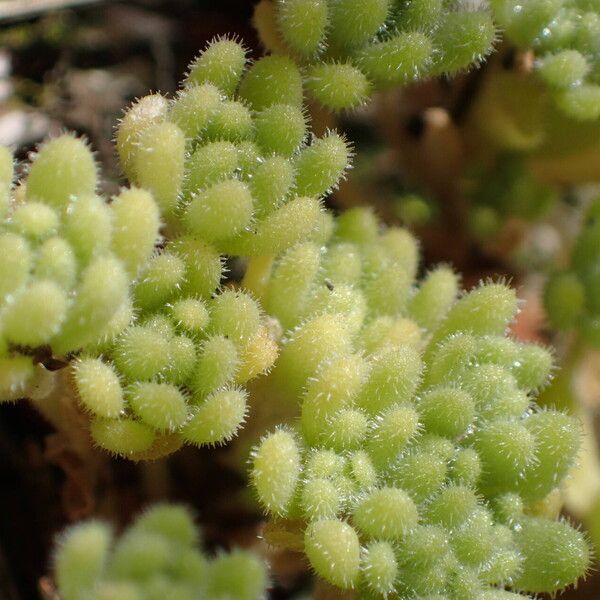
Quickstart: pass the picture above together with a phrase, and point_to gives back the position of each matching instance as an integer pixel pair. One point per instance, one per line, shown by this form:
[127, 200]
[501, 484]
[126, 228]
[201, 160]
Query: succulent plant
[419, 452]
[420, 466]
[157, 556]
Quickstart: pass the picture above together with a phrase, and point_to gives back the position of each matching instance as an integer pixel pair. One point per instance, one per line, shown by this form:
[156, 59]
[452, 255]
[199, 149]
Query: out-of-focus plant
[157, 556]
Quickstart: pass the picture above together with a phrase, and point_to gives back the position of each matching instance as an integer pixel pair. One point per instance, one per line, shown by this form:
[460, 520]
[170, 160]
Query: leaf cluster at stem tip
[157, 556]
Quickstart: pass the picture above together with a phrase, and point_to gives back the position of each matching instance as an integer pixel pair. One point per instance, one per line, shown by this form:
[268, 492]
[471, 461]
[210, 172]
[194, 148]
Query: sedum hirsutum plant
[226, 168]
[348, 49]
[229, 181]
[157, 556]
[66, 259]
[420, 461]
[420, 466]
[162, 350]
[564, 35]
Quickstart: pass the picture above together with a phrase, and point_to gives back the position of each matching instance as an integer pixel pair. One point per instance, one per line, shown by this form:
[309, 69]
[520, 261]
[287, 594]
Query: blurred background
[452, 160]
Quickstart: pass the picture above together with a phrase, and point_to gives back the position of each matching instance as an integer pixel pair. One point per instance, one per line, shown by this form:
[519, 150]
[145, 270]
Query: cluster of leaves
[347, 49]
[229, 181]
[66, 258]
[565, 35]
[419, 452]
[228, 160]
[572, 296]
[161, 354]
[176, 375]
[158, 556]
